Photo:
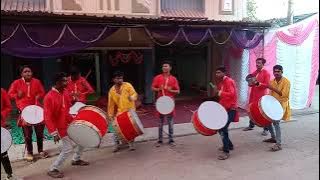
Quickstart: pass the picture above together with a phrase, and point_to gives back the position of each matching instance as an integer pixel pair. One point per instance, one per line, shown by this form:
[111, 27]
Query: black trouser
[27, 131]
[227, 144]
[6, 163]
[251, 125]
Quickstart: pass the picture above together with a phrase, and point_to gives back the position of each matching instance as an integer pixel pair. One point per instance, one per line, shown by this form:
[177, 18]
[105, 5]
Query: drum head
[6, 140]
[165, 105]
[75, 108]
[212, 115]
[271, 107]
[32, 114]
[83, 135]
[136, 118]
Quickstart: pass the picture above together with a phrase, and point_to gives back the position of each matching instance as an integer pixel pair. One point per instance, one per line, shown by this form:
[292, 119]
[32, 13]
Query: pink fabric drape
[314, 65]
[268, 52]
[298, 37]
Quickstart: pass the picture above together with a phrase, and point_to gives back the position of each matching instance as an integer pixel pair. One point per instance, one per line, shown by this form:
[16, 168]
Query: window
[197, 5]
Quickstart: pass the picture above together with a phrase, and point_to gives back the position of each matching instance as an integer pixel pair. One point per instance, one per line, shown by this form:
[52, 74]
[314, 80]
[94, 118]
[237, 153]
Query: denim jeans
[224, 134]
[170, 125]
[66, 150]
[251, 125]
[277, 133]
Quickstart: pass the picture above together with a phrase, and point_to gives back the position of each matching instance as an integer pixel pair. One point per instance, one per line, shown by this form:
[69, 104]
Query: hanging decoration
[134, 57]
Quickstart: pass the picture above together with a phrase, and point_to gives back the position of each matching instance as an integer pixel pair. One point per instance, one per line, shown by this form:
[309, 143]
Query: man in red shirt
[227, 91]
[28, 91]
[57, 118]
[78, 87]
[259, 89]
[5, 111]
[167, 84]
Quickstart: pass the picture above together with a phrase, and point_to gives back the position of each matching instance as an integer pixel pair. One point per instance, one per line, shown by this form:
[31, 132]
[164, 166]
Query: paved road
[195, 158]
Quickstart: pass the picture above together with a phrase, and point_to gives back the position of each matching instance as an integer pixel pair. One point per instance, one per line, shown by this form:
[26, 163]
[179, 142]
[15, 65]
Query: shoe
[29, 157]
[221, 148]
[224, 156]
[248, 129]
[264, 133]
[79, 163]
[116, 148]
[55, 174]
[159, 143]
[131, 147]
[172, 143]
[271, 140]
[43, 155]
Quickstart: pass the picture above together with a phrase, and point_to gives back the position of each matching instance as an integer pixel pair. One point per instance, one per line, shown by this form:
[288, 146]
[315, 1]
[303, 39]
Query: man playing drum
[121, 98]
[28, 91]
[78, 87]
[57, 118]
[5, 111]
[280, 89]
[166, 84]
[261, 78]
[227, 91]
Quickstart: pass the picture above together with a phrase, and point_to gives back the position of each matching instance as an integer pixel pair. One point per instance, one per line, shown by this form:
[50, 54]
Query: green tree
[251, 10]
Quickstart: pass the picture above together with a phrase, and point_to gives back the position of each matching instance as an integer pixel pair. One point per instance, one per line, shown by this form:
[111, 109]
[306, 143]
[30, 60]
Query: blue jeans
[170, 124]
[277, 135]
[224, 134]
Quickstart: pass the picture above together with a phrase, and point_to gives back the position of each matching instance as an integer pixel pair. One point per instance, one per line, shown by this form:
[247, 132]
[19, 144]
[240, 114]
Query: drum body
[209, 118]
[128, 126]
[266, 110]
[32, 114]
[88, 127]
[6, 140]
[199, 127]
[165, 105]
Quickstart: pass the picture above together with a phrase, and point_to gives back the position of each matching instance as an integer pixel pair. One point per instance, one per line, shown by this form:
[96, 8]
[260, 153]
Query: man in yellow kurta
[121, 98]
[280, 89]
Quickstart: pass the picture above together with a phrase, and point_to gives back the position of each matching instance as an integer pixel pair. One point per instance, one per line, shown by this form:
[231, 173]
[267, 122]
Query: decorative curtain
[50, 40]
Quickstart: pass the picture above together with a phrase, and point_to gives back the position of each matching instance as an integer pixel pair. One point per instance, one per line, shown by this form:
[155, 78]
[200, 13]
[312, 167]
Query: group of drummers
[63, 111]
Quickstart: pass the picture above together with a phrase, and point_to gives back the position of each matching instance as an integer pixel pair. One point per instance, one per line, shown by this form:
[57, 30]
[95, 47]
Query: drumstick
[212, 86]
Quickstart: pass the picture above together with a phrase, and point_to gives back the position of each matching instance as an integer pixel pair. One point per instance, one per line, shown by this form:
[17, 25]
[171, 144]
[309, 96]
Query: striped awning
[183, 14]
[23, 5]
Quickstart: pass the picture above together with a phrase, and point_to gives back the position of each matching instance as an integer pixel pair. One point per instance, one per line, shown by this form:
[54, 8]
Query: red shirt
[80, 86]
[228, 93]
[263, 77]
[161, 80]
[56, 112]
[29, 92]
[5, 107]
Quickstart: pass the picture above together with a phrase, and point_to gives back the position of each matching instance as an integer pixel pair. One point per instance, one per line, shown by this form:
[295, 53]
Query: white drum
[165, 105]
[212, 115]
[32, 114]
[6, 140]
[271, 107]
[76, 107]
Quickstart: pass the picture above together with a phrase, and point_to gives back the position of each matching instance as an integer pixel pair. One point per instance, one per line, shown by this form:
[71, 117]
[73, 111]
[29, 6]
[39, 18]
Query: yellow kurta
[284, 87]
[119, 102]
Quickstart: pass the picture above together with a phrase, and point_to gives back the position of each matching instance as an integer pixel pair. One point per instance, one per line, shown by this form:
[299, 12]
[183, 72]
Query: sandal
[29, 157]
[44, 155]
[79, 163]
[55, 174]
[221, 149]
[271, 140]
[276, 147]
[223, 156]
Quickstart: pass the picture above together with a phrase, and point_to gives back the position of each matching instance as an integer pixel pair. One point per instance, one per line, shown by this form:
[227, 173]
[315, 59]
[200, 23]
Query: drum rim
[217, 105]
[86, 124]
[11, 139]
[134, 122]
[169, 98]
[33, 105]
[262, 111]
